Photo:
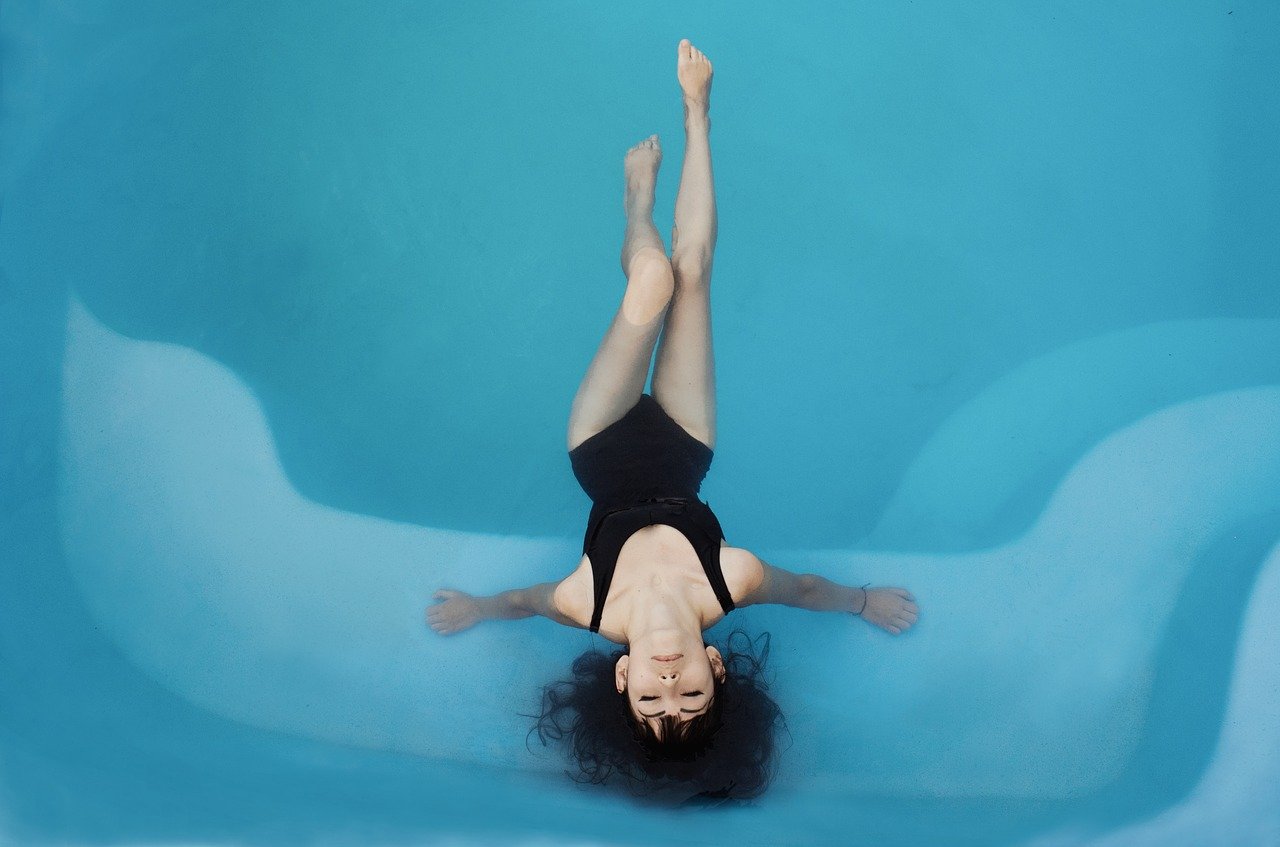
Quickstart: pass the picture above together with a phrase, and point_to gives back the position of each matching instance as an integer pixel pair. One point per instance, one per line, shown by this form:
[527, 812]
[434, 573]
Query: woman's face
[679, 684]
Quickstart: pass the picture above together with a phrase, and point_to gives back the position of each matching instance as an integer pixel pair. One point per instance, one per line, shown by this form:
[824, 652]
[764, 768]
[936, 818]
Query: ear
[717, 663]
[620, 673]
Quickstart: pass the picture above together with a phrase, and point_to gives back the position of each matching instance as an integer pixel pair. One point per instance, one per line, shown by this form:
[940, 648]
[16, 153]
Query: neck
[659, 617]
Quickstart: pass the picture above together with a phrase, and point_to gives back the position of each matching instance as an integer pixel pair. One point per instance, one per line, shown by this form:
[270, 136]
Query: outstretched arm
[455, 611]
[892, 609]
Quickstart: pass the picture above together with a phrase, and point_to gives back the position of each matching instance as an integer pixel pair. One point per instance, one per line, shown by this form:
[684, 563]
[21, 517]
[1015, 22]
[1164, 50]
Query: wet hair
[724, 754]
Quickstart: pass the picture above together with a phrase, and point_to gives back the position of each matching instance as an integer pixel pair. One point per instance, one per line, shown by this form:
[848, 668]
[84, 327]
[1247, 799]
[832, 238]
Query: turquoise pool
[293, 302]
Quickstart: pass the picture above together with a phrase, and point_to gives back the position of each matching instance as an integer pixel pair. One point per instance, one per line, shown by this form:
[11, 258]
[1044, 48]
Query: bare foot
[641, 167]
[693, 69]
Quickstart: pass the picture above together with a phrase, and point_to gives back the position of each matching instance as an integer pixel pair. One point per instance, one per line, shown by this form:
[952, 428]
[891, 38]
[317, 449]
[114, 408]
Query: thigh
[615, 378]
[684, 379]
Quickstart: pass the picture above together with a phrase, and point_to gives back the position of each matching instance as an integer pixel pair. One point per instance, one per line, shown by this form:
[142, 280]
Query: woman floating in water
[656, 570]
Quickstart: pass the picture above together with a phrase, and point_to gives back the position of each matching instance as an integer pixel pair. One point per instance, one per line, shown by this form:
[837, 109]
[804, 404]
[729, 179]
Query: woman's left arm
[891, 609]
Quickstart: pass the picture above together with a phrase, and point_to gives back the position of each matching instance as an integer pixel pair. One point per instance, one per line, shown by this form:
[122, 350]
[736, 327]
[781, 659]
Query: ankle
[697, 111]
[638, 207]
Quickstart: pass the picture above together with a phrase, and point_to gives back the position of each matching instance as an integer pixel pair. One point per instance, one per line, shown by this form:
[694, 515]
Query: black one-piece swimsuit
[645, 469]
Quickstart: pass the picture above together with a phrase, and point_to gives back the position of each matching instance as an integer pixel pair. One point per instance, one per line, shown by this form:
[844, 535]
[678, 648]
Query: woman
[655, 570]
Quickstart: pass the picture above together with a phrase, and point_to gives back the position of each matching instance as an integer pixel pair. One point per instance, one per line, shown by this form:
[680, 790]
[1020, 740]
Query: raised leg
[616, 376]
[684, 379]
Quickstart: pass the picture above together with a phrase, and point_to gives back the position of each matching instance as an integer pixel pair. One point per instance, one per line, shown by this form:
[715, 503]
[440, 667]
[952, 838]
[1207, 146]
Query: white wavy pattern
[1027, 675]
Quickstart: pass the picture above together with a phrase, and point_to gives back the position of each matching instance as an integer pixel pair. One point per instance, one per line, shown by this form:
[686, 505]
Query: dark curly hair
[724, 754]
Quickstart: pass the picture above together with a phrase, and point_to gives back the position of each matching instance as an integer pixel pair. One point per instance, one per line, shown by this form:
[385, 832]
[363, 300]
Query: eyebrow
[664, 711]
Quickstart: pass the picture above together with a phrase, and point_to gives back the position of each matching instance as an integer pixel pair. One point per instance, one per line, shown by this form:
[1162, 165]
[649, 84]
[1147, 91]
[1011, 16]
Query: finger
[903, 593]
[893, 629]
[444, 594]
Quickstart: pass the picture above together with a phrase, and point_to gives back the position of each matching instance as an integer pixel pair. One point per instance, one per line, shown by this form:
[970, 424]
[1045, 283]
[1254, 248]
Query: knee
[650, 285]
[647, 261]
[692, 267]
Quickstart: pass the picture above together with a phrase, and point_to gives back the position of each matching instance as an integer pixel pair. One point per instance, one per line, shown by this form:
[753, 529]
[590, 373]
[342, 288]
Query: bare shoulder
[743, 572]
[574, 596]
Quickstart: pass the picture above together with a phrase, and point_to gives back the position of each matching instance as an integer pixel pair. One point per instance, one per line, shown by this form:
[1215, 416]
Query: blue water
[294, 301]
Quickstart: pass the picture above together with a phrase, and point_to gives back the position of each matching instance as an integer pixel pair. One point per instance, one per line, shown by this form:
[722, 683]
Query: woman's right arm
[455, 610]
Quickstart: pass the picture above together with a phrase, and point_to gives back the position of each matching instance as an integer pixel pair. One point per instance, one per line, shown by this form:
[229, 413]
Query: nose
[668, 677]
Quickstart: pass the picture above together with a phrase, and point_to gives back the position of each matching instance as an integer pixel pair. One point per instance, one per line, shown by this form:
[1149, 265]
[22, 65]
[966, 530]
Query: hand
[893, 609]
[453, 612]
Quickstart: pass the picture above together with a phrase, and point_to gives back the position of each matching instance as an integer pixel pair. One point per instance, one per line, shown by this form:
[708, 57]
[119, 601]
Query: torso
[661, 557]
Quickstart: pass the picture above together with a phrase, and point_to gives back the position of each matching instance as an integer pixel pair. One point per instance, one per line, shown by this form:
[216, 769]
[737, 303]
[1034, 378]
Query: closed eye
[654, 696]
[664, 711]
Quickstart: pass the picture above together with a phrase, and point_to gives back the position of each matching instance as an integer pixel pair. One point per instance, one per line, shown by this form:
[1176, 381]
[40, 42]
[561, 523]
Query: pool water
[294, 301]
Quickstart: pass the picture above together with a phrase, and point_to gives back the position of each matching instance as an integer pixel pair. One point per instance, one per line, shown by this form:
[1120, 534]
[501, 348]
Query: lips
[670, 658]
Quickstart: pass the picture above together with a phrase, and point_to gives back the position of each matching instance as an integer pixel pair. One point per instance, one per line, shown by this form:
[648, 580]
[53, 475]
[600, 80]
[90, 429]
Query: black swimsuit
[645, 469]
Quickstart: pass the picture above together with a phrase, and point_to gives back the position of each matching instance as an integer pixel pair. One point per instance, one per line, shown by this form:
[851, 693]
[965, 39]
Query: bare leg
[684, 380]
[616, 376]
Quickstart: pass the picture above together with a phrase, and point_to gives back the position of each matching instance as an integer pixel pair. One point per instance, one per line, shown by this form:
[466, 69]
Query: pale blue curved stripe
[981, 478]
